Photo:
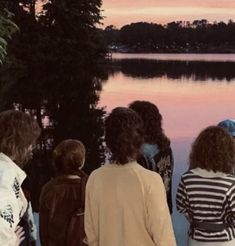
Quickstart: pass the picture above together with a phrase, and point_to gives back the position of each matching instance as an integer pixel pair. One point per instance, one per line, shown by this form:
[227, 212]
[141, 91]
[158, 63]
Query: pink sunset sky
[121, 12]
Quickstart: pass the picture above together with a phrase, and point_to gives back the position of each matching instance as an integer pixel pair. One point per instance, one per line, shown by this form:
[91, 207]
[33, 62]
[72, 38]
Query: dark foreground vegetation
[52, 71]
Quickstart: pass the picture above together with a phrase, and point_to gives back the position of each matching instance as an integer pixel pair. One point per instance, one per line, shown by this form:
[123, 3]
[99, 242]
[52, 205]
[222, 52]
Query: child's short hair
[69, 156]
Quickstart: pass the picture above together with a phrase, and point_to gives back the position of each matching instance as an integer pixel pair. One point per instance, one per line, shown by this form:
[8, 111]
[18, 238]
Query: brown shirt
[59, 199]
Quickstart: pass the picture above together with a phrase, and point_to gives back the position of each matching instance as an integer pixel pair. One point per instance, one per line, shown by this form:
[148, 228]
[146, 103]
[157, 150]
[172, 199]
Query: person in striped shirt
[206, 193]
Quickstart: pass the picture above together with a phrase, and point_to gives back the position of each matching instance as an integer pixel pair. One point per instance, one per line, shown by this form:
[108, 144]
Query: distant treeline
[180, 36]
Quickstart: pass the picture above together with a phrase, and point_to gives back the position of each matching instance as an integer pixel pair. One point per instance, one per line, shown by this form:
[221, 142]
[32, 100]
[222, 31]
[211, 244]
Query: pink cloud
[121, 12]
[168, 3]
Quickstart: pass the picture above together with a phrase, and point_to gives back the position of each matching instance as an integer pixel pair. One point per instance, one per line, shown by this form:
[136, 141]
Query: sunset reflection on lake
[189, 95]
[187, 106]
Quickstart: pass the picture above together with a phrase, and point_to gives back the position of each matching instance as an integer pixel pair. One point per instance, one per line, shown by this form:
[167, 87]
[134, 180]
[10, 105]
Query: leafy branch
[7, 29]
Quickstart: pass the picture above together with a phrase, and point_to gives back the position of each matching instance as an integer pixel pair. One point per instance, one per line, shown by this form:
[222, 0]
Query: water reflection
[190, 95]
[177, 57]
[193, 70]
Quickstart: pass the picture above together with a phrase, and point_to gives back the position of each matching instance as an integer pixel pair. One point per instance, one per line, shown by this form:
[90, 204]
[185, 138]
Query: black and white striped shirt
[209, 197]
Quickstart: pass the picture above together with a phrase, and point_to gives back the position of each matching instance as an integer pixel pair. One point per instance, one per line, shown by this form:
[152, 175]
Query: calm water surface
[177, 57]
[192, 91]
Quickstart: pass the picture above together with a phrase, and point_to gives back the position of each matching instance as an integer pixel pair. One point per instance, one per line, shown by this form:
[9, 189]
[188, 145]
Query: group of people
[127, 201]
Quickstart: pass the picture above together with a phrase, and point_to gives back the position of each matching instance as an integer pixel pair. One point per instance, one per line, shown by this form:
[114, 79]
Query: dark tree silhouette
[176, 37]
[53, 72]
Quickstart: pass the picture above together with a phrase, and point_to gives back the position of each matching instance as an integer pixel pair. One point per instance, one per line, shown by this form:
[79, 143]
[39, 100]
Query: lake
[191, 91]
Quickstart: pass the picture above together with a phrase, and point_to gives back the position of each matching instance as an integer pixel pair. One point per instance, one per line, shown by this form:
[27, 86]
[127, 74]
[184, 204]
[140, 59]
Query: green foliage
[7, 29]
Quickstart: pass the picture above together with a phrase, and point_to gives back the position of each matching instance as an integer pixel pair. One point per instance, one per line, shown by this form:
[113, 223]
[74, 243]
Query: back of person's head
[123, 134]
[213, 150]
[69, 157]
[18, 131]
[152, 120]
[229, 125]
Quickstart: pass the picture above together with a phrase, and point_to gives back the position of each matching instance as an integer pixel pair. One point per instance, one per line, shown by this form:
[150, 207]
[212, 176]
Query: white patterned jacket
[13, 203]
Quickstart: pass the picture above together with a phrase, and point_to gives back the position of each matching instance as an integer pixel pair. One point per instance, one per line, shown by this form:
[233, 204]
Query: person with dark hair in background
[206, 193]
[61, 196]
[156, 153]
[126, 203]
[18, 132]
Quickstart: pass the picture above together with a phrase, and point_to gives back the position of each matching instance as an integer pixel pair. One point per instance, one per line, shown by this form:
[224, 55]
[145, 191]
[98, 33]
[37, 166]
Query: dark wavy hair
[152, 119]
[213, 149]
[123, 134]
[69, 156]
[18, 131]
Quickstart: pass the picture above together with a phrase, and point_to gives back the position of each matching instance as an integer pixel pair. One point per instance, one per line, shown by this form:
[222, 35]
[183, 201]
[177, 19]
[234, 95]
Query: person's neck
[69, 176]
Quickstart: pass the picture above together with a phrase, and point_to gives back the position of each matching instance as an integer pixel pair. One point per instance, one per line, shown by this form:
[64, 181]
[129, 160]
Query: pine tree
[53, 69]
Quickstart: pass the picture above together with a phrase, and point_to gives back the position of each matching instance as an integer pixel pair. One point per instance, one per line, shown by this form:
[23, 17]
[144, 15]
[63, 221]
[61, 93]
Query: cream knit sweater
[126, 206]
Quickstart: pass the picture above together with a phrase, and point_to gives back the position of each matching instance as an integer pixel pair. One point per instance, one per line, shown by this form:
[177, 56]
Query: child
[61, 196]
[206, 193]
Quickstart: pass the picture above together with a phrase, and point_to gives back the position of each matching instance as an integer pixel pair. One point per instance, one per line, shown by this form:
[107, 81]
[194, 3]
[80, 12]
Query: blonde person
[126, 203]
[61, 196]
[18, 132]
[206, 193]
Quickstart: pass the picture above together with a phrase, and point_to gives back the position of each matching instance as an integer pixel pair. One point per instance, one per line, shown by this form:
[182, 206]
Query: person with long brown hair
[156, 152]
[126, 203]
[18, 132]
[206, 193]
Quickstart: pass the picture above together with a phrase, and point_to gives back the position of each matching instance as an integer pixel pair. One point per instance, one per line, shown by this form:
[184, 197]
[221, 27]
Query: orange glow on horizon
[124, 12]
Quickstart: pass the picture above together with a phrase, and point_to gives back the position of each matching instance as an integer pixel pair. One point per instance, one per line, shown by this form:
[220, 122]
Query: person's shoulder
[48, 187]
[230, 179]
[6, 171]
[7, 174]
[97, 172]
[5, 167]
[189, 174]
[232, 187]
[151, 181]
[151, 176]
